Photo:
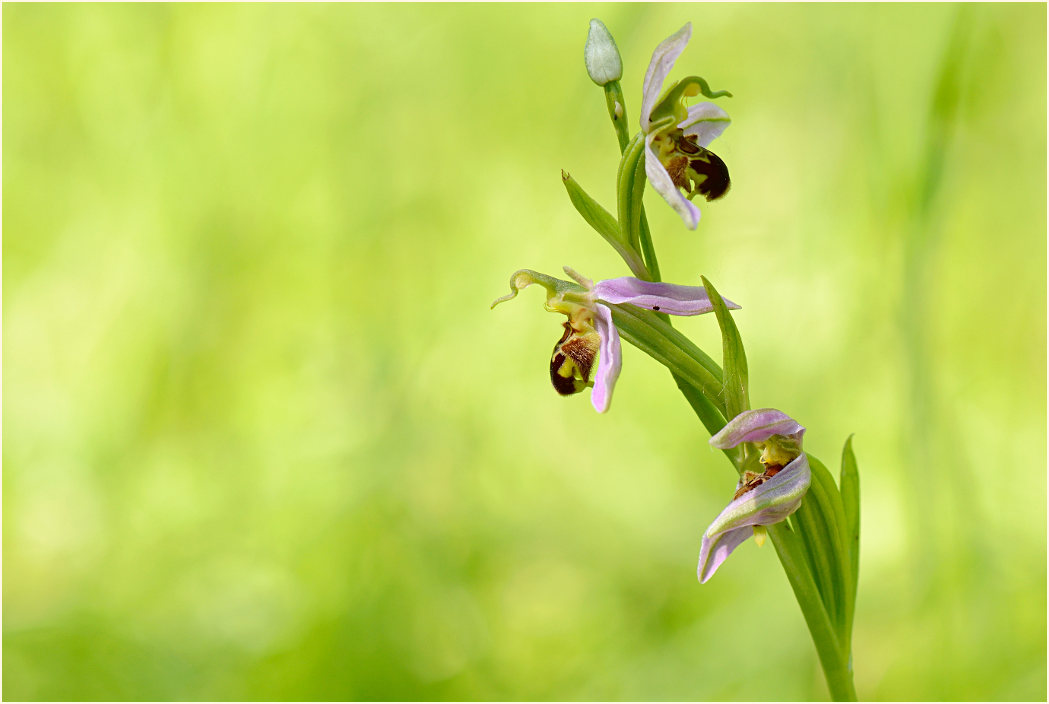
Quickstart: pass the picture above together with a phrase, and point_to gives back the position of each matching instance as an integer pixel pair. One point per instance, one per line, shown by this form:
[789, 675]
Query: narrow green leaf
[850, 499]
[734, 376]
[592, 211]
[795, 525]
[829, 498]
[816, 534]
[660, 333]
[667, 346]
[850, 495]
[602, 222]
[810, 533]
[834, 661]
[827, 501]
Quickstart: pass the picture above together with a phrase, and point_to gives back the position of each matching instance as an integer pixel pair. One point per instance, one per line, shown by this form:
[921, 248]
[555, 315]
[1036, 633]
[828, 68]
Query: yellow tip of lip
[759, 535]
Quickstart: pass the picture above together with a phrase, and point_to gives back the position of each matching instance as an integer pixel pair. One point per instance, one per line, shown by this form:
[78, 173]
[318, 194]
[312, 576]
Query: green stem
[616, 105]
[626, 191]
[647, 248]
[837, 668]
[617, 111]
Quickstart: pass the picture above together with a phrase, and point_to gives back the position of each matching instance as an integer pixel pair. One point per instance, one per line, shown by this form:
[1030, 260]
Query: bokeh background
[266, 440]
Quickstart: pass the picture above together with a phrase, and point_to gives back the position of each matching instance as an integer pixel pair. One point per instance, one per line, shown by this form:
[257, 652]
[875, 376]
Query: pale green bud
[602, 55]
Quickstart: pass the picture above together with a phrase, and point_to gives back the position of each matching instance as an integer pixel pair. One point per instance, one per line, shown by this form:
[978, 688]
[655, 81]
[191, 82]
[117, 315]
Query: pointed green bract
[603, 223]
[736, 392]
[850, 499]
[592, 211]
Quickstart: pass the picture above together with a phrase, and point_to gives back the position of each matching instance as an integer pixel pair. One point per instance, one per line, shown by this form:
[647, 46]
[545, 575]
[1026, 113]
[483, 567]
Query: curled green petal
[672, 102]
[523, 278]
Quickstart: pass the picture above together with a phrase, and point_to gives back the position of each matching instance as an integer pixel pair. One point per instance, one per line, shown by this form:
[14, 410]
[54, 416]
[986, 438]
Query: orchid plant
[781, 491]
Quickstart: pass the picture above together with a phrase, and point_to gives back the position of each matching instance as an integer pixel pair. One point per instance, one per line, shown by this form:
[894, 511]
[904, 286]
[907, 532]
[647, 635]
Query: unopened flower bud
[601, 55]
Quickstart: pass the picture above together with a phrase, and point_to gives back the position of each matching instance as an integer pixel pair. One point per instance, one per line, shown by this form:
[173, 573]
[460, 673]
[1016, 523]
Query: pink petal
[661, 182]
[666, 298]
[756, 426]
[663, 59]
[610, 359]
[716, 550]
[705, 120]
[769, 503]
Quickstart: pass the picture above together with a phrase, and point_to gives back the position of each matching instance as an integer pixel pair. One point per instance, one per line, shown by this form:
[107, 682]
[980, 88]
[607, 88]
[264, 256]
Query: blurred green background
[265, 440]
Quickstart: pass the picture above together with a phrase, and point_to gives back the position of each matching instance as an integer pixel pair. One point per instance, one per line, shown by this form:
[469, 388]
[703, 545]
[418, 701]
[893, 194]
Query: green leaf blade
[850, 499]
[603, 223]
[656, 338]
[734, 375]
[812, 531]
[592, 211]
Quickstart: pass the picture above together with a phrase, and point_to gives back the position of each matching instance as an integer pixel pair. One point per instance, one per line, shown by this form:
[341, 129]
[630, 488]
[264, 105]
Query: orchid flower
[676, 138]
[762, 498]
[589, 332]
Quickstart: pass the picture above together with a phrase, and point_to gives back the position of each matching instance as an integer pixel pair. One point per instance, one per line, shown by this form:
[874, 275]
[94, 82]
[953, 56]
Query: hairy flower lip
[777, 496]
